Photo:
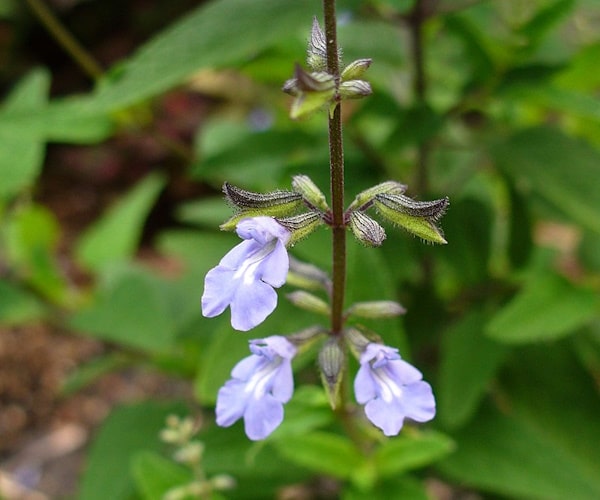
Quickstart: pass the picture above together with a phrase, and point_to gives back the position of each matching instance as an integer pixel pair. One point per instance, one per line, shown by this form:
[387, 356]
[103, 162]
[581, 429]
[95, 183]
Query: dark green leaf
[410, 451]
[126, 431]
[203, 39]
[155, 475]
[115, 236]
[322, 452]
[548, 307]
[17, 306]
[469, 362]
[132, 311]
[564, 171]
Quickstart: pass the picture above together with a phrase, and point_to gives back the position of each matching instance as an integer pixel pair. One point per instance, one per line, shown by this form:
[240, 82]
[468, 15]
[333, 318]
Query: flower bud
[304, 337]
[311, 91]
[417, 218]
[355, 89]
[309, 302]
[356, 69]
[366, 230]
[332, 362]
[364, 199]
[274, 203]
[308, 190]
[376, 309]
[301, 225]
[307, 276]
[222, 482]
[356, 340]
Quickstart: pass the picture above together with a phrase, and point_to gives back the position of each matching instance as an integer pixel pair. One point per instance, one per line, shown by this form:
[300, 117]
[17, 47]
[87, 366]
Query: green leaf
[22, 146]
[562, 170]
[410, 451]
[154, 475]
[116, 235]
[132, 311]
[126, 431]
[203, 39]
[469, 362]
[501, 454]
[17, 306]
[548, 307]
[544, 21]
[544, 443]
[404, 487]
[32, 234]
[322, 452]
[224, 350]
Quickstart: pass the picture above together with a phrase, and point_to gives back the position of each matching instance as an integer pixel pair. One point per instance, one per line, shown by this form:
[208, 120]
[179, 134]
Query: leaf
[410, 451]
[544, 21]
[202, 39]
[22, 147]
[502, 455]
[132, 311]
[322, 452]
[17, 306]
[154, 475]
[548, 307]
[562, 170]
[32, 234]
[546, 446]
[116, 235]
[469, 362]
[126, 431]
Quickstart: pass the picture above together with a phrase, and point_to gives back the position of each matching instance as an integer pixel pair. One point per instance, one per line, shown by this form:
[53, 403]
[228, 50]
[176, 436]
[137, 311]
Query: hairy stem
[87, 63]
[336, 163]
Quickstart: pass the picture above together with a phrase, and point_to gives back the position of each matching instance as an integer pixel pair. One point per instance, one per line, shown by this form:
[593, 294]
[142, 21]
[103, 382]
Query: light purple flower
[391, 389]
[260, 385]
[245, 277]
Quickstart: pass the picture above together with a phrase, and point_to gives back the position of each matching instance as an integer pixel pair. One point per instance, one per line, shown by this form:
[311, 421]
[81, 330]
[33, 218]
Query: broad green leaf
[410, 451]
[220, 355]
[132, 311]
[468, 228]
[22, 147]
[154, 475]
[544, 444]
[501, 454]
[564, 171]
[127, 431]
[544, 21]
[115, 236]
[368, 272]
[17, 306]
[31, 234]
[404, 487]
[203, 39]
[322, 452]
[308, 409]
[469, 362]
[548, 307]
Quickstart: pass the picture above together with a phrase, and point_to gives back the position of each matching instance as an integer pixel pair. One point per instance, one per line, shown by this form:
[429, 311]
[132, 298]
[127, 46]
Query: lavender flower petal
[260, 385]
[391, 390]
[246, 275]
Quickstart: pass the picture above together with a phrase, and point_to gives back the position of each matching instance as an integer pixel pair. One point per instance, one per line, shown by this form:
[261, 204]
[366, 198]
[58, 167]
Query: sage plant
[390, 389]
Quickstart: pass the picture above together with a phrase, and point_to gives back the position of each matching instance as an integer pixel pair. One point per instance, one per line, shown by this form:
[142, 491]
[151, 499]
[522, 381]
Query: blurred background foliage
[111, 163]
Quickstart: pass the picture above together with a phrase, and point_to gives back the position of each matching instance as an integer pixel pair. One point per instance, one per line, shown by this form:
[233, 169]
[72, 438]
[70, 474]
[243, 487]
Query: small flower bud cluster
[317, 88]
[180, 432]
[417, 217]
